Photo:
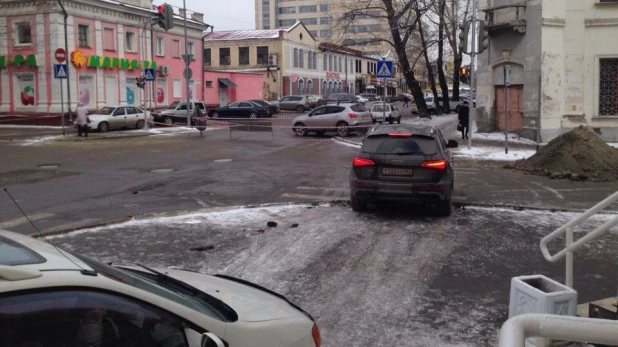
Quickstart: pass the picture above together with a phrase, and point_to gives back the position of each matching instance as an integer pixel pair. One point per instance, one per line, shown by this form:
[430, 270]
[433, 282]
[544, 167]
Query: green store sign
[119, 63]
[19, 60]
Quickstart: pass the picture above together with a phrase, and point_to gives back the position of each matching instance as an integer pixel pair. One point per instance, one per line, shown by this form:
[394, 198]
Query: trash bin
[540, 294]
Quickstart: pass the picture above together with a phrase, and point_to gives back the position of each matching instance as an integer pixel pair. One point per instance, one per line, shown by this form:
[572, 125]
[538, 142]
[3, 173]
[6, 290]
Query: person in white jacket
[82, 120]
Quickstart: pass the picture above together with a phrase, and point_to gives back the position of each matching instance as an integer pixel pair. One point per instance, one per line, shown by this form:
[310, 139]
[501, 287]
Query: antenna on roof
[84, 271]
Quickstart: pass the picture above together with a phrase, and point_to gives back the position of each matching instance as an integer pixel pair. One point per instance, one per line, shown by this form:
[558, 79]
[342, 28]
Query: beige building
[560, 50]
[292, 61]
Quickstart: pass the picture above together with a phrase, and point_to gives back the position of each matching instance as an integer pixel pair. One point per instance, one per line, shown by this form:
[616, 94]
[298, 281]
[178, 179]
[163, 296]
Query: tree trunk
[457, 66]
[432, 80]
[442, 79]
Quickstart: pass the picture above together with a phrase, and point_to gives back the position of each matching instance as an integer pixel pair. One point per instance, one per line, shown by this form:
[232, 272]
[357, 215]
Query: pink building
[107, 50]
[223, 87]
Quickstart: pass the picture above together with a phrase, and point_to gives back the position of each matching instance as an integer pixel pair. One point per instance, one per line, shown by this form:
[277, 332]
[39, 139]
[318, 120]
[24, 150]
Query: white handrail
[566, 328]
[573, 246]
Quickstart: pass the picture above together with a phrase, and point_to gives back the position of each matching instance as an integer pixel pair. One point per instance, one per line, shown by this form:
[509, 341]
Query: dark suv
[410, 162]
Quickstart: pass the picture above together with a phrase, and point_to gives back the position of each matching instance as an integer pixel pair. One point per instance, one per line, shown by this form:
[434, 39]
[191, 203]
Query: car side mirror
[211, 340]
[452, 144]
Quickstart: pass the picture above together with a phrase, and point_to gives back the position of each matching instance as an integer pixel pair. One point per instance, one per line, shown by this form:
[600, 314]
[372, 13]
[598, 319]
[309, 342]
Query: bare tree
[443, 85]
[454, 16]
[403, 19]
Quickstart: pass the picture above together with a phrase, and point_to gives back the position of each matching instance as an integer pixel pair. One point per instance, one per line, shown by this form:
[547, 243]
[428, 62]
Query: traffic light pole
[187, 60]
[143, 57]
[472, 120]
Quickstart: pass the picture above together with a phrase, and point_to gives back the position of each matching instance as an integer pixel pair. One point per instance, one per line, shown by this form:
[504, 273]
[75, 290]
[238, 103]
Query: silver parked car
[299, 103]
[385, 113]
[109, 117]
[342, 119]
[177, 112]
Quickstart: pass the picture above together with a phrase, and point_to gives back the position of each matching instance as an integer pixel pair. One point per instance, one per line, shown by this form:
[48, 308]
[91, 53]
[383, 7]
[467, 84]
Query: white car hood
[251, 304]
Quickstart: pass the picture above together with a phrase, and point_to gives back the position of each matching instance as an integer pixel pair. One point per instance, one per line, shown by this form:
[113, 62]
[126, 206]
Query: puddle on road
[222, 160]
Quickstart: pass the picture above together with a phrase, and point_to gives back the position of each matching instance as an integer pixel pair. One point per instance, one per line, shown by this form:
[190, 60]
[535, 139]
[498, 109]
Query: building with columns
[107, 49]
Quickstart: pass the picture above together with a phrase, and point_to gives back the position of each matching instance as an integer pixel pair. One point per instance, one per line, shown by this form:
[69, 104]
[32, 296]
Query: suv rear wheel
[445, 208]
[358, 204]
[342, 129]
[299, 129]
[168, 120]
[300, 108]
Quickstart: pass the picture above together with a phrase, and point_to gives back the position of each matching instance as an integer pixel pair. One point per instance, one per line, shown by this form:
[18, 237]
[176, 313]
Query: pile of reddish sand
[577, 155]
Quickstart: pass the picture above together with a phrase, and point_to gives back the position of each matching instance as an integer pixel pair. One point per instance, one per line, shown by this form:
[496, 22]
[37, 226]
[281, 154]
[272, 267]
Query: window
[243, 55]
[224, 56]
[313, 33]
[190, 50]
[309, 87]
[287, 10]
[325, 20]
[308, 9]
[109, 43]
[176, 48]
[340, 65]
[330, 63]
[309, 21]
[160, 46]
[24, 34]
[208, 84]
[177, 88]
[336, 63]
[83, 35]
[301, 58]
[262, 55]
[301, 86]
[207, 59]
[295, 57]
[286, 22]
[324, 87]
[129, 41]
[310, 60]
[368, 68]
[323, 8]
[608, 87]
[326, 33]
[72, 317]
[315, 61]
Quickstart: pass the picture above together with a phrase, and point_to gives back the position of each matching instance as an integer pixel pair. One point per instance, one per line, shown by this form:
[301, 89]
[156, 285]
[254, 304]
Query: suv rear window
[296, 98]
[200, 105]
[400, 145]
[358, 108]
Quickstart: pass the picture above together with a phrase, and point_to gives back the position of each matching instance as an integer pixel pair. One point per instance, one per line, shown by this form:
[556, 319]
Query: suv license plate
[396, 172]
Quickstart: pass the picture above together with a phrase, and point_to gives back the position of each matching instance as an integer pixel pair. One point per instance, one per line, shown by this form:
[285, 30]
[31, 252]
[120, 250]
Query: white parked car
[385, 113]
[50, 297]
[341, 118]
[110, 117]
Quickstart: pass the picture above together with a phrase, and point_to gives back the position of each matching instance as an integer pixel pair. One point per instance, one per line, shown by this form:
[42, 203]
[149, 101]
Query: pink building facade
[107, 49]
[244, 86]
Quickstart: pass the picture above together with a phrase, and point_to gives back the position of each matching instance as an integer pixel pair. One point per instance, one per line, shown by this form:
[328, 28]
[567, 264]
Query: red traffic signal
[161, 9]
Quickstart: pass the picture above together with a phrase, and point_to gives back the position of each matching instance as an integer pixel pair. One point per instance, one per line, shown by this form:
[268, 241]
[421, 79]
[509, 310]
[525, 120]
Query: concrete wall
[522, 53]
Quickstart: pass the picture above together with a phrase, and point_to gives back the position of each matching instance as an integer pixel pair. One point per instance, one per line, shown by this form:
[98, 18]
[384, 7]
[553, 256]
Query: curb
[337, 202]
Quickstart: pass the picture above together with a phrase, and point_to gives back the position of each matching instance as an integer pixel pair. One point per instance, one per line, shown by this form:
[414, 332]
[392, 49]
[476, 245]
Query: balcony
[508, 16]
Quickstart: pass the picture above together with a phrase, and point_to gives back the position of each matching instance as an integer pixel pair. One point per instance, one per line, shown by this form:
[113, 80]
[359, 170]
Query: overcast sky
[222, 14]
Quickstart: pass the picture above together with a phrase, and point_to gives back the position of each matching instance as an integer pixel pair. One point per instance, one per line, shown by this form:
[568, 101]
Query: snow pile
[577, 155]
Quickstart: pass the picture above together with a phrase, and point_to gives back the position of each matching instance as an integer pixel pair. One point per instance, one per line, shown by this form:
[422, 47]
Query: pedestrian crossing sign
[60, 71]
[149, 75]
[385, 69]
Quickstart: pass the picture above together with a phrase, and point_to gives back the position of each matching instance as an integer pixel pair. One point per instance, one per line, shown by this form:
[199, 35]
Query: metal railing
[573, 246]
[515, 330]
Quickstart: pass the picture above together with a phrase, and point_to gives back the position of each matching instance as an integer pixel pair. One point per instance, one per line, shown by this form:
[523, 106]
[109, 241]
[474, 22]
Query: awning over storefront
[227, 82]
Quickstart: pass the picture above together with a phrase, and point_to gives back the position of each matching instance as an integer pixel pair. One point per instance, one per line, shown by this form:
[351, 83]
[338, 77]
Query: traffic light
[464, 74]
[166, 16]
[463, 37]
[139, 81]
[483, 36]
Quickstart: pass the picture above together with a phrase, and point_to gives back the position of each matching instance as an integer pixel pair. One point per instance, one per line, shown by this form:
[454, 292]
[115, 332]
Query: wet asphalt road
[388, 277]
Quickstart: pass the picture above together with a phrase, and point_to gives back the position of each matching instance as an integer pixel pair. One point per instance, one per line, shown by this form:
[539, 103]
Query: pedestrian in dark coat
[406, 101]
[464, 119]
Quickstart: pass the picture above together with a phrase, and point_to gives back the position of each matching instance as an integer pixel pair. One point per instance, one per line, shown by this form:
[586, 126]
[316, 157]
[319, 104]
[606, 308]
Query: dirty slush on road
[577, 155]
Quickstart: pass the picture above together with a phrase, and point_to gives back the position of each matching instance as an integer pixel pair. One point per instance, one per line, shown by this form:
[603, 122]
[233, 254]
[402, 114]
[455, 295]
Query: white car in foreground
[50, 297]
[109, 117]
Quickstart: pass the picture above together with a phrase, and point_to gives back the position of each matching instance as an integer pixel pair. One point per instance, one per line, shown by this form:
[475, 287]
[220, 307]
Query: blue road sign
[60, 71]
[149, 75]
[385, 69]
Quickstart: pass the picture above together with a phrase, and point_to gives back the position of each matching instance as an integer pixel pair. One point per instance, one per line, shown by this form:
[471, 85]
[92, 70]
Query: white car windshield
[106, 110]
[173, 105]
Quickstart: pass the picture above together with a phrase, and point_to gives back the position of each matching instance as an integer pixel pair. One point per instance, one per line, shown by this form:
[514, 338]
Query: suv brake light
[315, 332]
[352, 115]
[435, 164]
[399, 134]
[358, 162]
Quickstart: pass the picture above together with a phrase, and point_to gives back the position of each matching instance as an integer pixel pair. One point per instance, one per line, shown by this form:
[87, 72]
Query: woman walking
[464, 119]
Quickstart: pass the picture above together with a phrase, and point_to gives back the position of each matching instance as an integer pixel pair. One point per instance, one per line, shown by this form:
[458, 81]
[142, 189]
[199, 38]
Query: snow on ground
[10, 126]
[491, 153]
[499, 137]
[613, 144]
[369, 279]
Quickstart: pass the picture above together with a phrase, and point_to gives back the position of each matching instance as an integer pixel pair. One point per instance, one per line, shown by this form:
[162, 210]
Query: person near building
[464, 120]
[82, 120]
[406, 101]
